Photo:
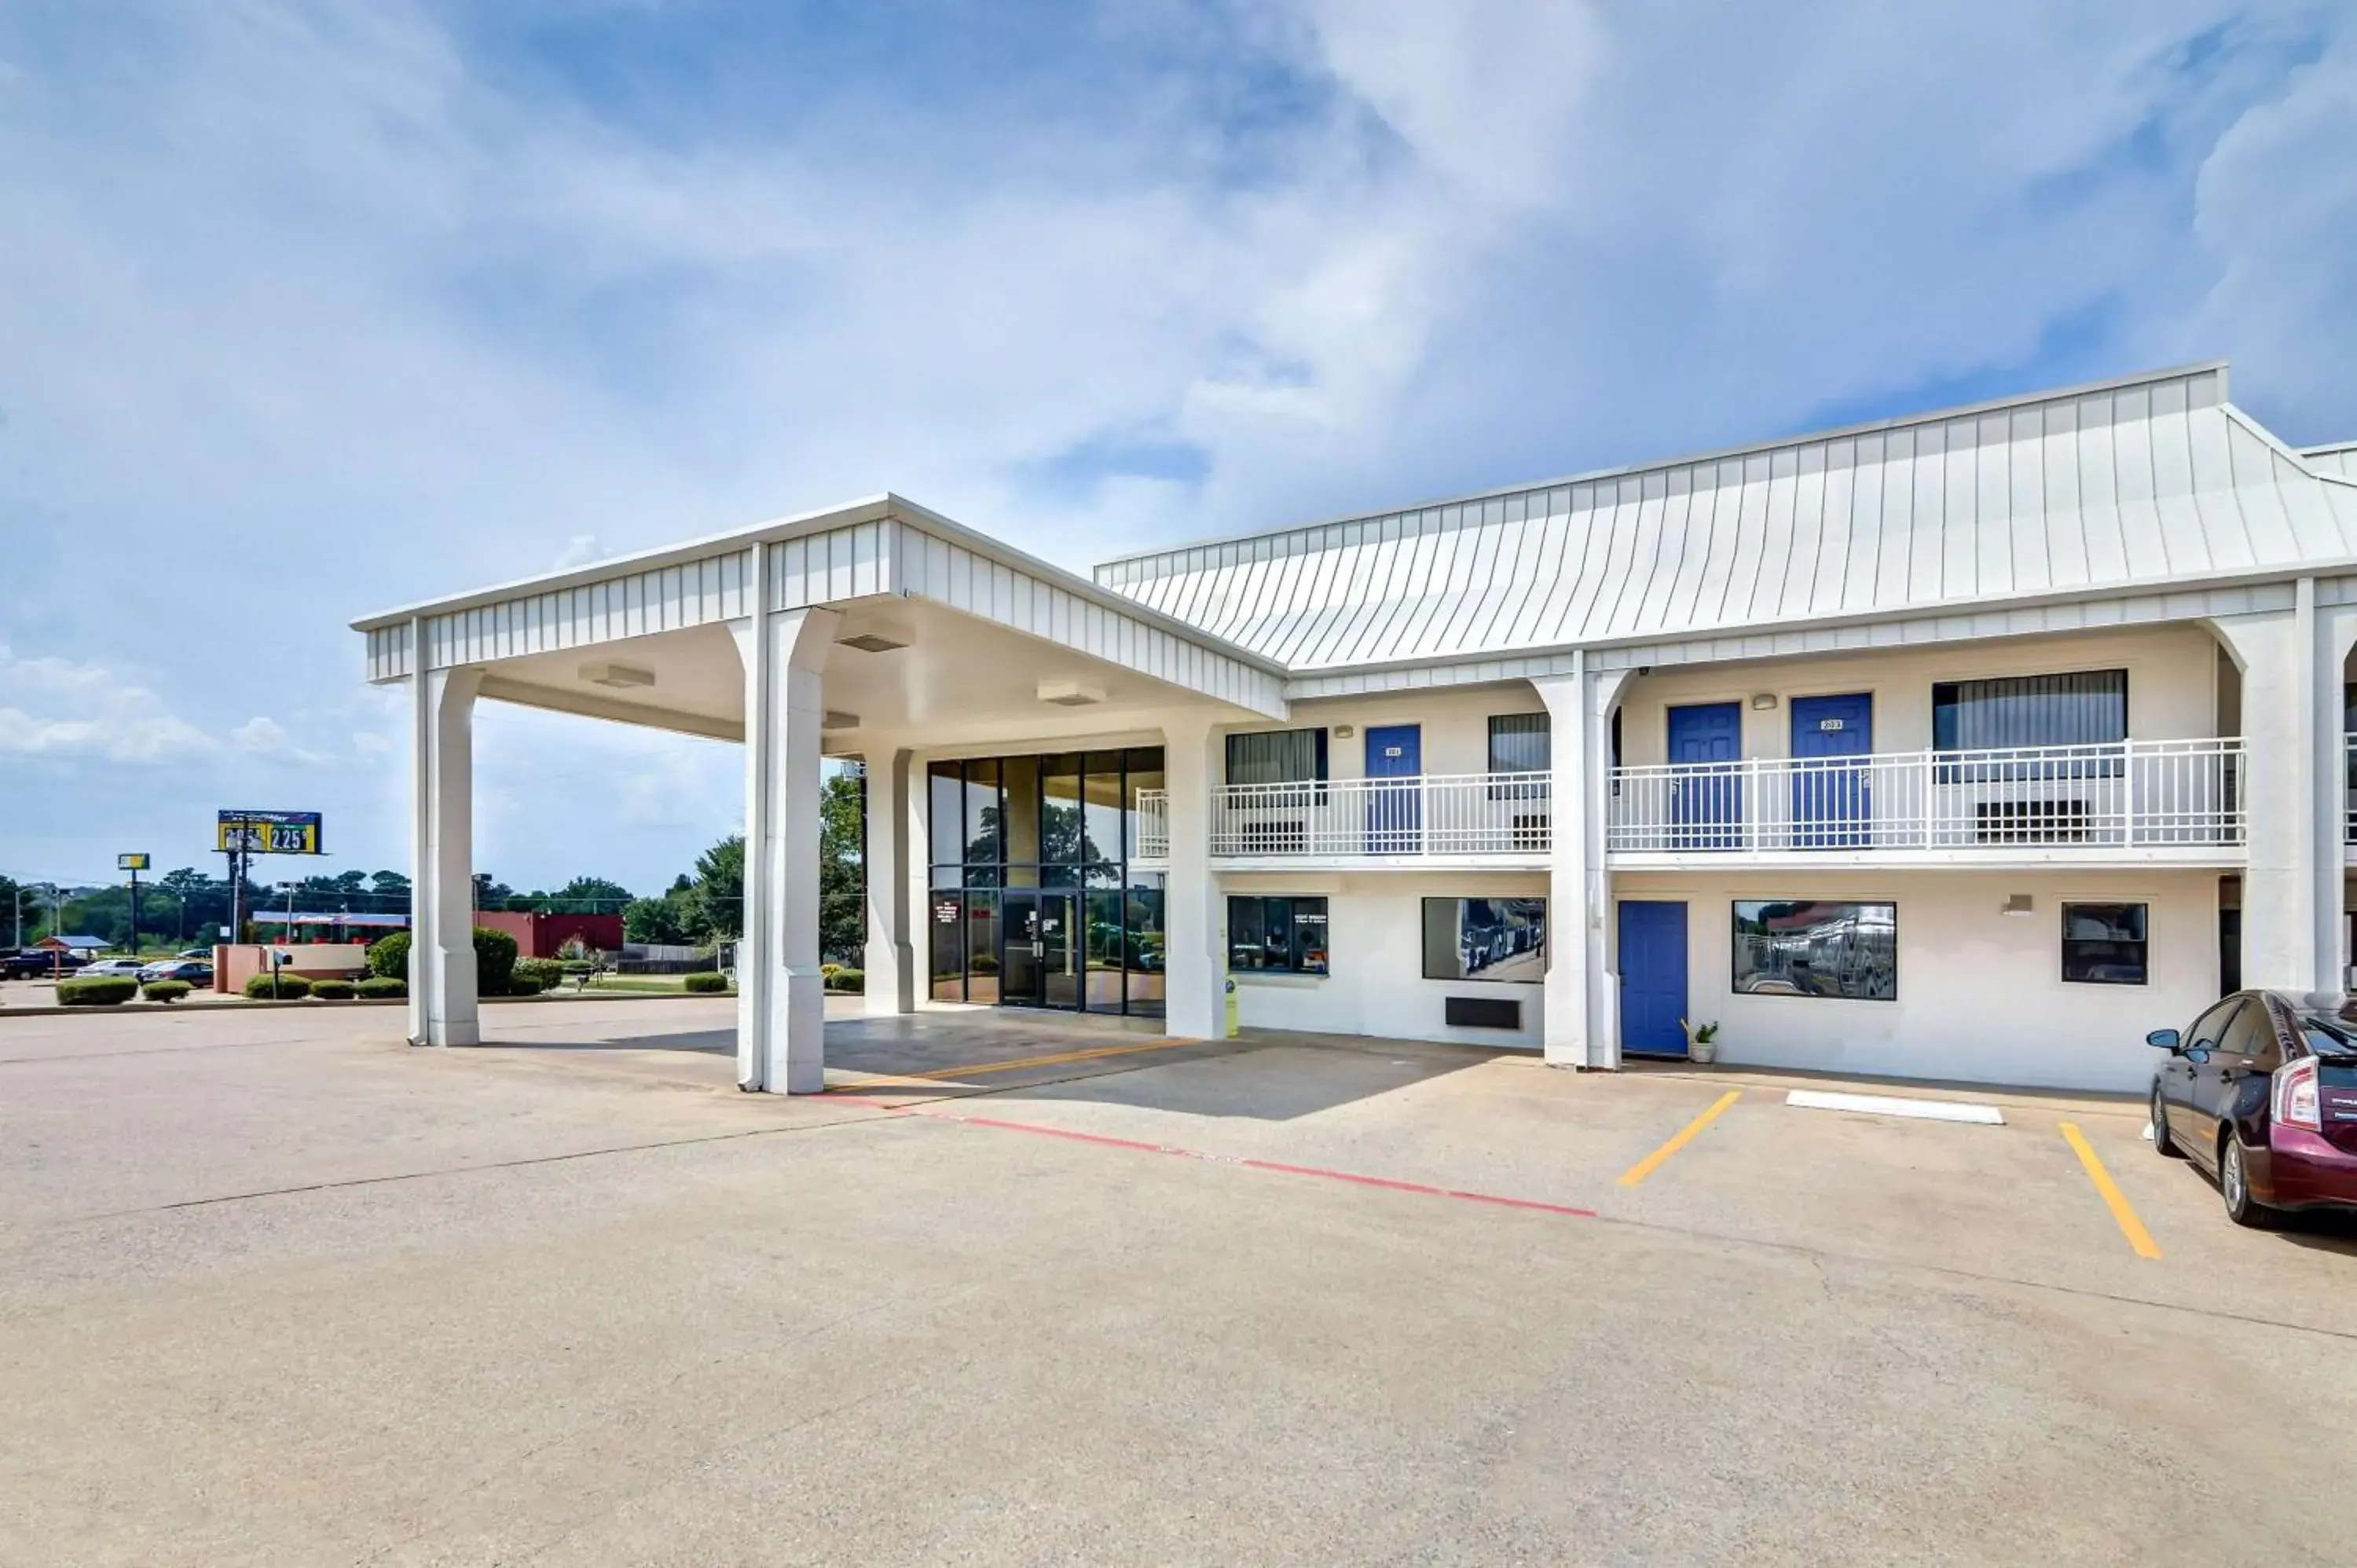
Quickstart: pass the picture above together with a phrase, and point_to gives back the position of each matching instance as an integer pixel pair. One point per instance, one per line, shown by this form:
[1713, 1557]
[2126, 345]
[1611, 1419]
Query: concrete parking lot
[274, 1288]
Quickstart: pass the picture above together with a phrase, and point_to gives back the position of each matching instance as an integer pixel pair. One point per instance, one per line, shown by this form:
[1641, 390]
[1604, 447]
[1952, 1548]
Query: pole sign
[130, 863]
[269, 832]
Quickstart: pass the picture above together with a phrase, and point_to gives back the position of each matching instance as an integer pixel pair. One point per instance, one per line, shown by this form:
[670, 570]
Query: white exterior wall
[1375, 949]
[2173, 687]
[1456, 724]
[1981, 994]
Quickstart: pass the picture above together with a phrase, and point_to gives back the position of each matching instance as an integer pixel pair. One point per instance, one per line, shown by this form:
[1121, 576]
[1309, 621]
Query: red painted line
[1389, 1184]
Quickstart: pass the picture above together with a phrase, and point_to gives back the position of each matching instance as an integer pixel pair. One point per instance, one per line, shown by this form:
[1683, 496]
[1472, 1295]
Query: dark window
[1277, 757]
[2089, 708]
[1279, 935]
[2250, 1033]
[1519, 743]
[2104, 944]
[1800, 948]
[1485, 938]
[2212, 1025]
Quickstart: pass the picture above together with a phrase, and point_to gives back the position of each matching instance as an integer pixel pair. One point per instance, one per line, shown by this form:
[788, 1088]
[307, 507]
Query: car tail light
[2296, 1096]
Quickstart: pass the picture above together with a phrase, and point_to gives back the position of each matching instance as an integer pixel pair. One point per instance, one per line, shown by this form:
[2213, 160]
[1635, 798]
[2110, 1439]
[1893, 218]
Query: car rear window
[2334, 1039]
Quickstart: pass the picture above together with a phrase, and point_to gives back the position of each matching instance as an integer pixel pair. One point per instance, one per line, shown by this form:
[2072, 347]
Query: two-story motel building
[1969, 745]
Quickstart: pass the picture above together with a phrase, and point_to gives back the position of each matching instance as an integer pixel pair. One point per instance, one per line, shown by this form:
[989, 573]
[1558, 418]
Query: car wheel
[2234, 1186]
[2161, 1141]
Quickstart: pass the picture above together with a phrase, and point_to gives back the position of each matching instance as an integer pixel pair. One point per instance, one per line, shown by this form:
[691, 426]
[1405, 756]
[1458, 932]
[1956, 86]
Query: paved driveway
[276, 1289]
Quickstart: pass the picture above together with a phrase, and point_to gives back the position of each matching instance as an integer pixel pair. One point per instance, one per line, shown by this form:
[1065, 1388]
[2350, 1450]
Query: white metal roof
[2340, 459]
[2152, 480]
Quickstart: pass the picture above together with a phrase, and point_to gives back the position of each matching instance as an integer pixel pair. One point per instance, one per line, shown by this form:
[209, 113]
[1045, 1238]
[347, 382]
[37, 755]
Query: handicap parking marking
[1684, 1135]
[2122, 1212]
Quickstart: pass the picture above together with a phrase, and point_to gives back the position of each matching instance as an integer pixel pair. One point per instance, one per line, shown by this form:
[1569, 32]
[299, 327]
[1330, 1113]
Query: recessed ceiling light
[871, 642]
[622, 675]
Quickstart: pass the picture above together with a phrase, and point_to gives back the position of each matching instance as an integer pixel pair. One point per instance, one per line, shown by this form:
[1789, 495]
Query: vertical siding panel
[1835, 525]
[2033, 569]
[1993, 490]
[2066, 516]
[1960, 512]
[1927, 556]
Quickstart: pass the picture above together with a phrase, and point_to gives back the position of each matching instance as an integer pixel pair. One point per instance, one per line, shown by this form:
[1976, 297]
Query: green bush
[334, 990]
[704, 982]
[381, 985]
[525, 985]
[495, 961]
[164, 990]
[847, 980]
[291, 987]
[545, 972]
[105, 990]
[388, 957]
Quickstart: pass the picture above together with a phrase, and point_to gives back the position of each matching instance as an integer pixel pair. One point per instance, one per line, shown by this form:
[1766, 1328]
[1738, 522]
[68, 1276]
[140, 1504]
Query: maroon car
[2263, 1090]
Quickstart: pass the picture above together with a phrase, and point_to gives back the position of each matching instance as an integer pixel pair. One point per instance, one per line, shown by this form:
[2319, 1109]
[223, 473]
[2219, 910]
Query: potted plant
[1702, 1042]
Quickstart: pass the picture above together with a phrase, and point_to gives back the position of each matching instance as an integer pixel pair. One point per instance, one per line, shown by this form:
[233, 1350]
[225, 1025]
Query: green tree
[715, 902]
[389, 884]
[589, 896]
[662, 920]
[842, 866]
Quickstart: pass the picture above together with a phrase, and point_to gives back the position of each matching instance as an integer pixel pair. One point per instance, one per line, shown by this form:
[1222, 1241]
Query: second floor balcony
[2170, 801]
[2167, 802]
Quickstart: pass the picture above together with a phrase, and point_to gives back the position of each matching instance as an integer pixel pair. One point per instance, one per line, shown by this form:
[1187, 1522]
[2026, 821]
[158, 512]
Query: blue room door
[1395, 798]
[1832, 808]
[1706, 804]
[1652, 977]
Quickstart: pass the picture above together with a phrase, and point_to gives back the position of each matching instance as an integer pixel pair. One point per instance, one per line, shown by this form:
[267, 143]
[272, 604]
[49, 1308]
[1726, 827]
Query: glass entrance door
[1040, 966]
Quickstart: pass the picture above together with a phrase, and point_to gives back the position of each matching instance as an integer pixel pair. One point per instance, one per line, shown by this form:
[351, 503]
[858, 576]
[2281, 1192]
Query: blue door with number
[1706, 790]
[1395, 790]
[1652, 977]
[1832, 800]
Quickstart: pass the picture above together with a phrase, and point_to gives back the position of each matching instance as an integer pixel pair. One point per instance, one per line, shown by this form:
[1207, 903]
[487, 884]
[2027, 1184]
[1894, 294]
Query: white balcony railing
[2129, 794]
[1468, 814]
[2348, 789]
[1445, 815]
[1149, 826]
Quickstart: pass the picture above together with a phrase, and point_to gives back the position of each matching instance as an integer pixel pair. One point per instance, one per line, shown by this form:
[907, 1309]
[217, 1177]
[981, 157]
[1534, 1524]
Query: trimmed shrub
[334, 990]
[495, 961]
[103, 991]
[524, 985]
[545, 972]
[164, 990]
[381, 985]
[705, 982]
[388, 957]
[847, 980]
[291, 987]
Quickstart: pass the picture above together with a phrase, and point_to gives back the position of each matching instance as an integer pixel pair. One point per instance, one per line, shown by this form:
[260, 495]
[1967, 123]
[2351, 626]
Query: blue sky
[309, 310]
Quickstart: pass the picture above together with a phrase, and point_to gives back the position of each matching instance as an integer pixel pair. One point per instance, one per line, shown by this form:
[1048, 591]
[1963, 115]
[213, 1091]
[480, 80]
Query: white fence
[1454, 815]
[2131, 793]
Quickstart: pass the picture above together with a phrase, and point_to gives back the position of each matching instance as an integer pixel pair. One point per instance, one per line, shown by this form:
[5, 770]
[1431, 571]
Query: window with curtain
[1519, 743]
[2089, 708]
[1277, 757]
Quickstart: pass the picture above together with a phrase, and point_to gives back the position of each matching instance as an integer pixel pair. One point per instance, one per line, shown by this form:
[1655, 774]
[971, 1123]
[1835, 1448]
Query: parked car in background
[36, 963]
[204, 954]
[2261, 1090]
[196, 972]
[127, 967]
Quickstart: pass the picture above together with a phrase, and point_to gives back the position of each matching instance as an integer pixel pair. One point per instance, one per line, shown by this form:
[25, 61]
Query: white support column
[1582, 1018]
[2336, 633]
[890, 962]
[2277, 653]
[780, 994]
[1196, 968]
[442, 1009]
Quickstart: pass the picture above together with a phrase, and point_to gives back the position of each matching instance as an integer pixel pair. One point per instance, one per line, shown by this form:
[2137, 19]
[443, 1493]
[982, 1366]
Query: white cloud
[580, 551]
[87, 711]
[262, 736]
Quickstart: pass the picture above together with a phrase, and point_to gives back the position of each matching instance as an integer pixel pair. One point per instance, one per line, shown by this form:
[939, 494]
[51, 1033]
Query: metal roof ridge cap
[865, 509]
[2254, 576]
[2297, 456]
[1715, 454]
[925, 519]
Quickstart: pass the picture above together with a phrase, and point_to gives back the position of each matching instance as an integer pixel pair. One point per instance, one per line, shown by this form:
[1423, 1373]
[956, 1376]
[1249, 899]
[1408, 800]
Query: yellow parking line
[2109, 1191]
[886, 1080]
[1652, 1162]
